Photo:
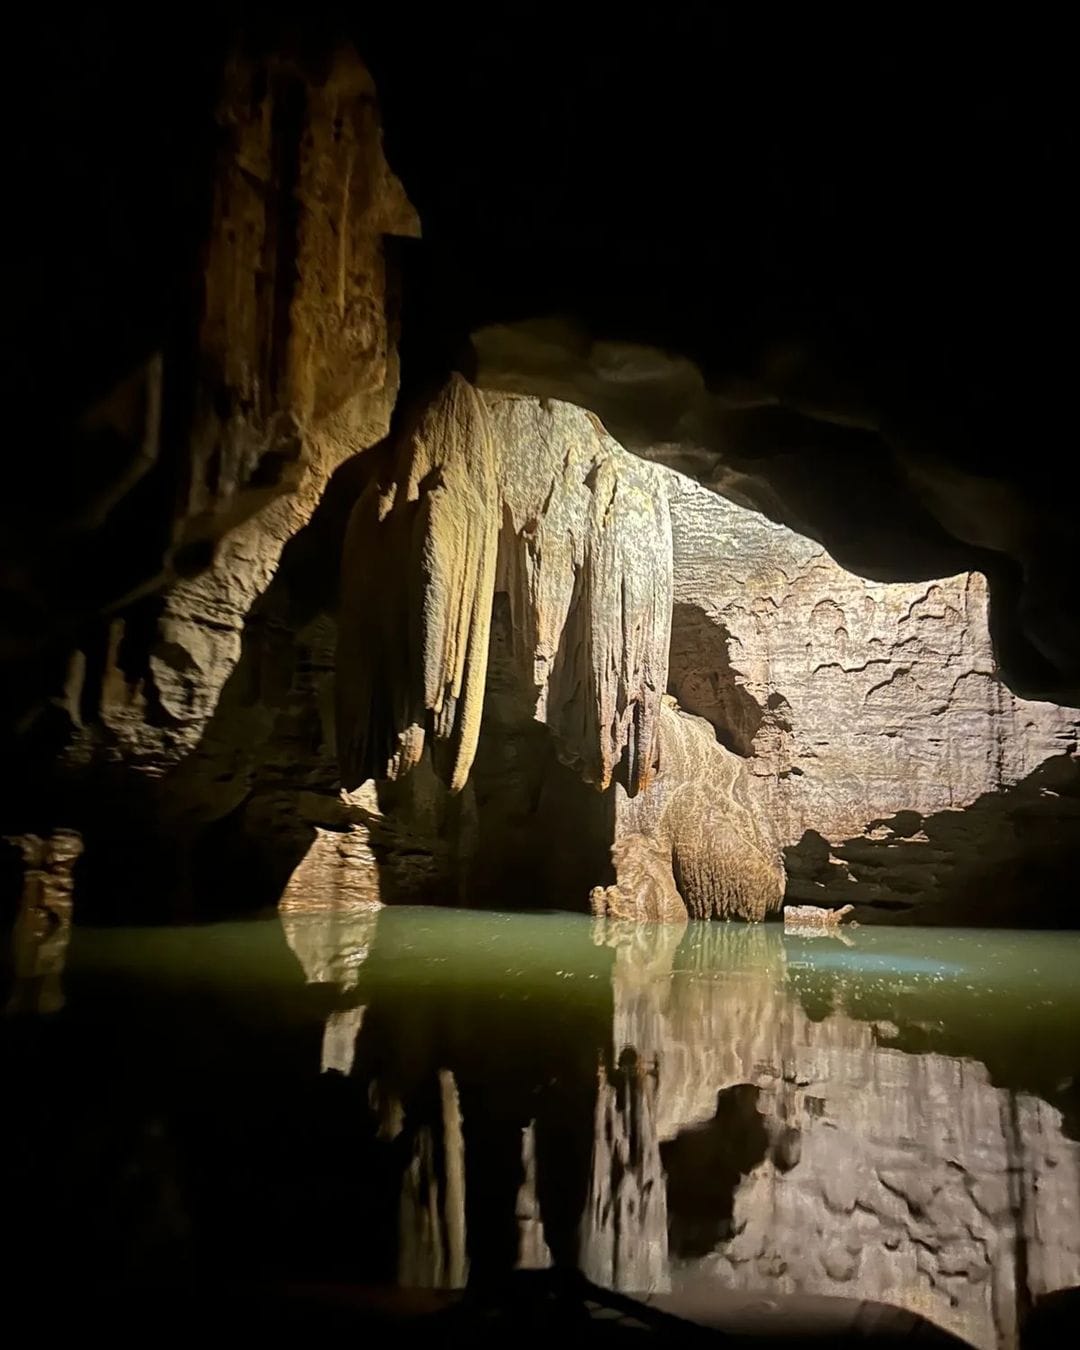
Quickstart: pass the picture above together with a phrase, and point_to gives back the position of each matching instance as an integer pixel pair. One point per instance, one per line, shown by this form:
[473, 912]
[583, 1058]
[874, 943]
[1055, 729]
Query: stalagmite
[43, 924]
[696, 842]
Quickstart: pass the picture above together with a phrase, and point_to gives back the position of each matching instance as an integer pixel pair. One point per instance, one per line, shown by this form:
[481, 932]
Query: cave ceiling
[829, 274]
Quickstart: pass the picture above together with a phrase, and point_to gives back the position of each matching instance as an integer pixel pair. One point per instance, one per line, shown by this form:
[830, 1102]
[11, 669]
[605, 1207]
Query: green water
[421, 1092]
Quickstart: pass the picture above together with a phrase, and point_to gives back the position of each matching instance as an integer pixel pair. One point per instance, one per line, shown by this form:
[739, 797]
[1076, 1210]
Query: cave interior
[560, 465]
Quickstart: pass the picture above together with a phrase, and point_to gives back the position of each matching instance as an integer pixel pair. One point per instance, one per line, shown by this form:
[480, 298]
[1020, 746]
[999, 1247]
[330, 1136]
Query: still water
[426, 1096]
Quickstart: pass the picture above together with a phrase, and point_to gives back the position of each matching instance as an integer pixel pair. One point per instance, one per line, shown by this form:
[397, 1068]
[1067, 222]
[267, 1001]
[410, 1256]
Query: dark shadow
[703, 681]
[1010, 859]
[704, 1165]
[213, 836]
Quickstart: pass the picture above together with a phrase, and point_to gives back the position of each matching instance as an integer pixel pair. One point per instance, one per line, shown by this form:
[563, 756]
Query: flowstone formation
[541, 506]
[695, 841]
[512, 552]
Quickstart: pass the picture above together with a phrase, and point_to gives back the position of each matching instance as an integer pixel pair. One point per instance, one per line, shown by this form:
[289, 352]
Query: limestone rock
[535, 502]
[298, 369]
[700, 811]
[901, 773]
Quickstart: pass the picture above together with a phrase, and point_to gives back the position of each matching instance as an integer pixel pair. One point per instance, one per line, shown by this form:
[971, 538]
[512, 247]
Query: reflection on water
[431, 1096]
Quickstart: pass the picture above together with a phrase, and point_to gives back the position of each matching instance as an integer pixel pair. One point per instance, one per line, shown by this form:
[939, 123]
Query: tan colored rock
[535, 502]
[896, 765]
[298, 371]
[418, 577]
[700, 813]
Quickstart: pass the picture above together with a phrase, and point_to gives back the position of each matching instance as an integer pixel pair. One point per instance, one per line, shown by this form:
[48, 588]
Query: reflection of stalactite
[533, 1251]
[624, 1240]
[539, 503]
[431, 1225]
[339, 1039]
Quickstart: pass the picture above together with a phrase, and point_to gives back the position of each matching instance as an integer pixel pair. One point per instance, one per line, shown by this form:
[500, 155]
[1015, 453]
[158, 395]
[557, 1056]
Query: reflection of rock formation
[909, 1179]
[487, 1159]
[43, 921]
[859, 701]
[624, 1232]
[431, 1226]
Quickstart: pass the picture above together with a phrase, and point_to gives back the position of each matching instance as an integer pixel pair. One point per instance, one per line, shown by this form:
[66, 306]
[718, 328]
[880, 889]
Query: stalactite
[534, 500]
[417, 592]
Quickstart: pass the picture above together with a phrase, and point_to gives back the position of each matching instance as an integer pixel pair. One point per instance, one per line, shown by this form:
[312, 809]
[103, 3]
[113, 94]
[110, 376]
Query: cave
[540, 675]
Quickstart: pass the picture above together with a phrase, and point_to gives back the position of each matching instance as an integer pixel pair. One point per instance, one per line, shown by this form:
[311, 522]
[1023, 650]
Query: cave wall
[189, 677]
[901, 772]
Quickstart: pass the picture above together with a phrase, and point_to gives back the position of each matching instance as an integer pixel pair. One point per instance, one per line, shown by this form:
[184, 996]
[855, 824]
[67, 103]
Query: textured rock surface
[298, 372]
[909, 1179]
[533, 501]
[696, 842]
[206, 699]
[898, 768]
[206, 458]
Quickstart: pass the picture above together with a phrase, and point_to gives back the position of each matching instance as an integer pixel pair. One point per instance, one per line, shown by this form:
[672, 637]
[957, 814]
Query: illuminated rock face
[901, 773]
[534, 504]
[697, 842]
[538, 503]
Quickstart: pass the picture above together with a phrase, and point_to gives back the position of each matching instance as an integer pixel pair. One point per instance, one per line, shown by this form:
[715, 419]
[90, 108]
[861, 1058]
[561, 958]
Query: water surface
[426, 1096]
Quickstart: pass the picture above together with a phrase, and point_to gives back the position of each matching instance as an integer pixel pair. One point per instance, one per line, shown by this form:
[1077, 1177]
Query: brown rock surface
[529, 500]
[896, 765]
[298, 372]
[916, 1181]
[695, 841]
[178, 706]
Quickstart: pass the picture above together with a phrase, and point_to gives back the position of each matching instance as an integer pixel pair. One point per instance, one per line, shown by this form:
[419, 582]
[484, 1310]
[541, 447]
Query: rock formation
[535, 504]
[900, 772]
[723, 854]
[145, 702]
[539, 504]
